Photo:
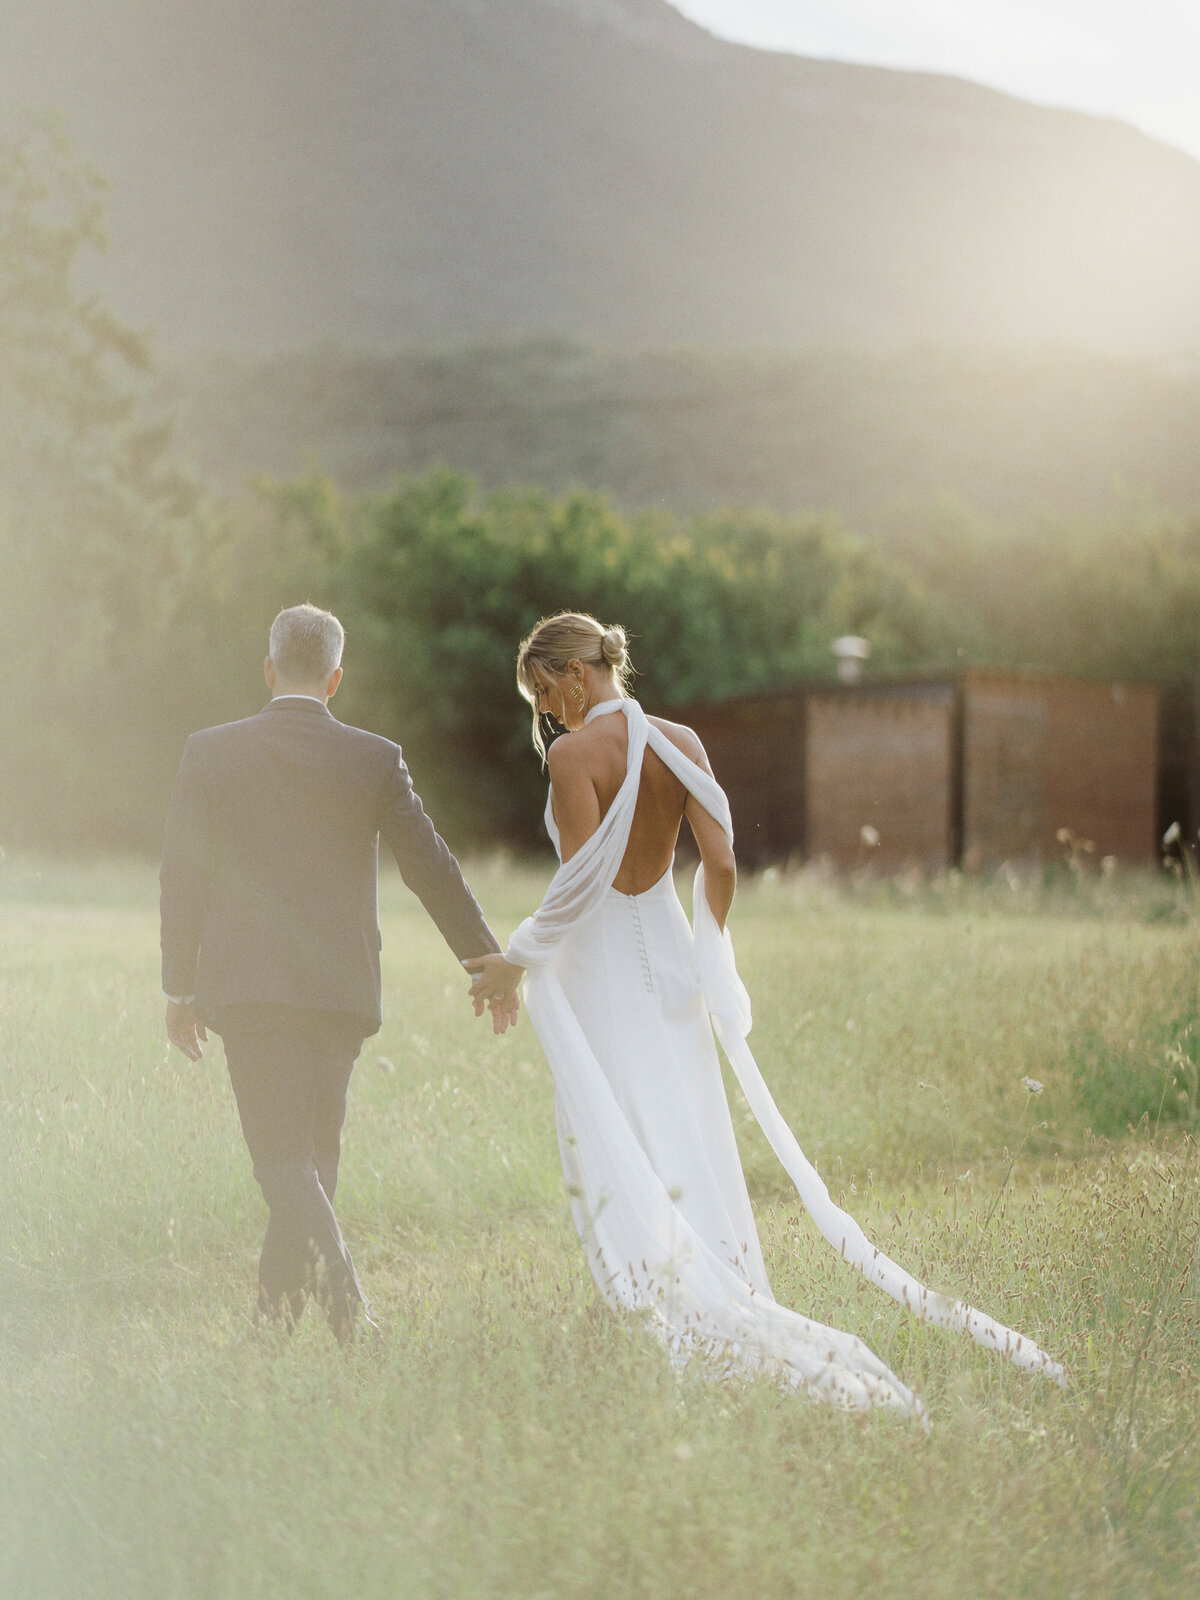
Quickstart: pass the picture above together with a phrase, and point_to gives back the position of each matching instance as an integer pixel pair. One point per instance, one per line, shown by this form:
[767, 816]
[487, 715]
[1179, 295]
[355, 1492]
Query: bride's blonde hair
[569, 636]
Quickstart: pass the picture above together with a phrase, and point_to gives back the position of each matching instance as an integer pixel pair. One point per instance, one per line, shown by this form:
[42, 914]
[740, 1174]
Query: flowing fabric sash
[578, 888]
[576, 892]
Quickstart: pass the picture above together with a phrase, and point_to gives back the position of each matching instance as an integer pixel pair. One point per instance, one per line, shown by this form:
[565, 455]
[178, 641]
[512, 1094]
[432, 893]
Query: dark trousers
[290, 1067]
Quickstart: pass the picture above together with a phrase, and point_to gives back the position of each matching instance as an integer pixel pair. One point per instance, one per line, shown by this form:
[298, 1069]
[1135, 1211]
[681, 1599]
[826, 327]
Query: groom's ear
[269, 672]
[334, 679]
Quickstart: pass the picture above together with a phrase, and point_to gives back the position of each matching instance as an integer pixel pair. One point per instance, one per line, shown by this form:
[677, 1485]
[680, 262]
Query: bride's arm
[720, 864]
[573, 796]
[577, 815]
[716, 852]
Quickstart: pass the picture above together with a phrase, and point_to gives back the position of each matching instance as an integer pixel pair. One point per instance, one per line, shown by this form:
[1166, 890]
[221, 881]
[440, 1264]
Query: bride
[625, 997]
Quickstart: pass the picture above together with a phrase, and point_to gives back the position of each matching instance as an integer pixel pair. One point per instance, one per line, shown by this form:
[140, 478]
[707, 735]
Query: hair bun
[612, 646]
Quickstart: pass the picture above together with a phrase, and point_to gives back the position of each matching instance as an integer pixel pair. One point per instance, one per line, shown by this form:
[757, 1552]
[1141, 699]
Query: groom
[270, 936]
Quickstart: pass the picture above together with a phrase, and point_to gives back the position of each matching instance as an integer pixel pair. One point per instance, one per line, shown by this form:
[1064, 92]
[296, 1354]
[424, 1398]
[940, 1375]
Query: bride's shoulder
[683, 738]
[566, 753]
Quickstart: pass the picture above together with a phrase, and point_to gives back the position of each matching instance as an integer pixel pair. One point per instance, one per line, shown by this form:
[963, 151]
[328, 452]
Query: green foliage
[95, 525]
[438, 587]
[1112, 599]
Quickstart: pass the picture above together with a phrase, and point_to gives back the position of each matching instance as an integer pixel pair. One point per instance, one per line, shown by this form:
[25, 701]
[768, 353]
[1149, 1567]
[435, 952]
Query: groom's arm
[429, 869]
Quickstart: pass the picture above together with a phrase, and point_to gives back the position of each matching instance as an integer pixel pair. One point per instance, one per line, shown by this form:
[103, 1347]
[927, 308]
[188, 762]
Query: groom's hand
[184, 1029]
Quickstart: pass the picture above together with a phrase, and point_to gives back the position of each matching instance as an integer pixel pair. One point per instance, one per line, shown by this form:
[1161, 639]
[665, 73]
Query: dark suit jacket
[270, 864]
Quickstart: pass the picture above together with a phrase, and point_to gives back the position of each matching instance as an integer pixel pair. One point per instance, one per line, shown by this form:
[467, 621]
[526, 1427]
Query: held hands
[185, 1030]
[494, 985]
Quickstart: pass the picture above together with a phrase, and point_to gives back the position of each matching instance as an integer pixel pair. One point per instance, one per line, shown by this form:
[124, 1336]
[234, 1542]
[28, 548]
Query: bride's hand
[494, 985]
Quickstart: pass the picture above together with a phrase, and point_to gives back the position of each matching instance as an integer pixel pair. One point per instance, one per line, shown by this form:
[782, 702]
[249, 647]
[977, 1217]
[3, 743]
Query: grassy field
[513, 1439]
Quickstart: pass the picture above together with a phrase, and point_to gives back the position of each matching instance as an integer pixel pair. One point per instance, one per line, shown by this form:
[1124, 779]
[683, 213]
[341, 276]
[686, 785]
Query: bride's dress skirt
[629, 974]
[651, 1162]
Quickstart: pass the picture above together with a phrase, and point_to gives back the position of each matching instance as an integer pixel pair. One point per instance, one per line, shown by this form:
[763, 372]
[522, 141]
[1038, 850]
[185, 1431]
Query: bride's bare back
[587, 768]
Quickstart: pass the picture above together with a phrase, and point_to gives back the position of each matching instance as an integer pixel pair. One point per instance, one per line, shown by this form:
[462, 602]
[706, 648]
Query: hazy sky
[1135, 59]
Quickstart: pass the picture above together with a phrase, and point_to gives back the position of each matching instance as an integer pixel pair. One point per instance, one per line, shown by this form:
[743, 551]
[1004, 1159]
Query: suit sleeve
[429, 869]
[184, 878]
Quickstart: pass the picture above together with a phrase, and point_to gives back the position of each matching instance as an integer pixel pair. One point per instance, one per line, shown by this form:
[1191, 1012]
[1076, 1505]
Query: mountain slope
[400, 171]
[1014, 435]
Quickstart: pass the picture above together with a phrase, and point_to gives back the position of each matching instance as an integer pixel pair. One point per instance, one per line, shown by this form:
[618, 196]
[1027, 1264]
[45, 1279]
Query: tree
[97, 529]
[437, 587]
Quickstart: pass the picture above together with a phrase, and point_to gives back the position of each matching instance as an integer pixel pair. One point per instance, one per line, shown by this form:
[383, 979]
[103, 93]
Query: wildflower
[869, 836]
[1032, 1086]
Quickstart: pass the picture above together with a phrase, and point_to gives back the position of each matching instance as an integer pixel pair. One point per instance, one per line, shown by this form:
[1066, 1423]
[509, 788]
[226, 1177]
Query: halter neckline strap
[605, 706]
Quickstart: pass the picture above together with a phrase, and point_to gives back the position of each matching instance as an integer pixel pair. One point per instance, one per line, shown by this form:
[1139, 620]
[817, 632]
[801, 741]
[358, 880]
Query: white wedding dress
[625, 998]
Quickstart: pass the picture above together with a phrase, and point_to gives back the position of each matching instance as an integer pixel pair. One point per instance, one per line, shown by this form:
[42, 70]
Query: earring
[577, 691]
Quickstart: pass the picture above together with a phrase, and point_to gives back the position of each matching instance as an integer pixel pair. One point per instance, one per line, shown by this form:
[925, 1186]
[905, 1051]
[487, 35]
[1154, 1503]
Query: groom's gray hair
[306, 644]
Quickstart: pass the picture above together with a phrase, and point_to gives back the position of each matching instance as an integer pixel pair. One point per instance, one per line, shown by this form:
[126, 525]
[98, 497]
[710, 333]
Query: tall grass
[513, 1439]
